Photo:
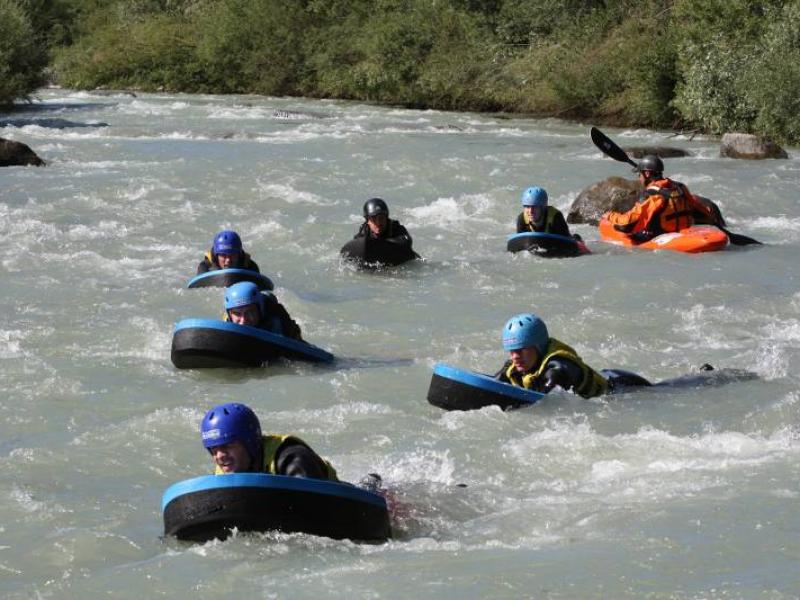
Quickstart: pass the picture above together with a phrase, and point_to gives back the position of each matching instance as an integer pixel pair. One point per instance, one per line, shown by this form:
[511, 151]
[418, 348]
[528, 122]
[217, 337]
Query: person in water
[245, 304]
[232, 435]
[665, 206]
[538, 216]
[378, 226]
[539, 362]
[226, 253]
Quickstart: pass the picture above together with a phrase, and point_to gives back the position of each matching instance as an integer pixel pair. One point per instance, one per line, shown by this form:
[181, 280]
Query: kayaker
[232, 435]
[665, 206]
[245, 304]
[539, 362]
[378, 226]
[538, 216]
[226, 253]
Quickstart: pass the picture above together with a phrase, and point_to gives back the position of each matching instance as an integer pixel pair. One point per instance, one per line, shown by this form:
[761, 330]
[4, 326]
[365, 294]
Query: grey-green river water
[690, 492]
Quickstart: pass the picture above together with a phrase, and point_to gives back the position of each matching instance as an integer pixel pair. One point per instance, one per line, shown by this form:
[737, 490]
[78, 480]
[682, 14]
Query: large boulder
[14, 154]
[619, 194]
[662, 151]
[747, 146]
[615, 193]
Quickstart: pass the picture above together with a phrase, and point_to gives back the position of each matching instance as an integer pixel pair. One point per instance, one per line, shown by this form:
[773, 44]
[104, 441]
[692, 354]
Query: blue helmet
[534, 196]
[242, 294]
[232, 422]
[525, 331]
[226, 242]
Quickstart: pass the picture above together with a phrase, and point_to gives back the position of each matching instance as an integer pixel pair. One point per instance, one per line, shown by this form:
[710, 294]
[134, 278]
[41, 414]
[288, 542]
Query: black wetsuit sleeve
[398, 235]
[297, 460]
[522, 226]
[362, 231]
[560, 226]
[290, 327]
[204, 266]
[252, 266]
[563, 373]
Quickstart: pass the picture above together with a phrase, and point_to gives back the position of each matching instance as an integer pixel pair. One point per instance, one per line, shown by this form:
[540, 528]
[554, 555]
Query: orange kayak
[698, 238]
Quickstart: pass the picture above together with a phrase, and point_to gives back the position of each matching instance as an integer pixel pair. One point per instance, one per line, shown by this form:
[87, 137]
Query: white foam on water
[291, 195]
[444, 212]
[183, 135]
[239, 113]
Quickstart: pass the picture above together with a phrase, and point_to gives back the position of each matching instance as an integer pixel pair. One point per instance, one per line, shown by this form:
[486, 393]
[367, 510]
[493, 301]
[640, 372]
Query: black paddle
[609, 148]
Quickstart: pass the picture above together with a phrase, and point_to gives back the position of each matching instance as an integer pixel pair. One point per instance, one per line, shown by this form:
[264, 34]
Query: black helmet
[374, 207]
[651, 163]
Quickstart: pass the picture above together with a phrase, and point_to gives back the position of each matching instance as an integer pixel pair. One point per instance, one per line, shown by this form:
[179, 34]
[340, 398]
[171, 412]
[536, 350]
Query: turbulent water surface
[684, 492]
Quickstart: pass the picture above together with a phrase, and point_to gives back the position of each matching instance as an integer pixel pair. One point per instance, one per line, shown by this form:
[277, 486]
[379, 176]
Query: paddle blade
[609, 148]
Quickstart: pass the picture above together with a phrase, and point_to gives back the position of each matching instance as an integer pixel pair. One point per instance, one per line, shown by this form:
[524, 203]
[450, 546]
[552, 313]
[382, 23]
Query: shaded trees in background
[22, 56]
[716, 65]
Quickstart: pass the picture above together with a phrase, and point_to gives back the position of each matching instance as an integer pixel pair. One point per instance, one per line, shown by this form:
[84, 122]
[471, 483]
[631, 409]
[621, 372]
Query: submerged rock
[752, 147]
[13, 154]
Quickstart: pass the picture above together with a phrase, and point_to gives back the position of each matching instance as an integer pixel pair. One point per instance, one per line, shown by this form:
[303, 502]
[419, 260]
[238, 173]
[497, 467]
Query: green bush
[22, 60]
[252, 45]
[157, 53]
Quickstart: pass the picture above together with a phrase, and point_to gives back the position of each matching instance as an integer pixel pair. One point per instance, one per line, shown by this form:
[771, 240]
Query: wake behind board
[546, 244]
[367, 251]
[452, 388]
[227, 277]
[209, 343]
[692, 240]
[210, 506]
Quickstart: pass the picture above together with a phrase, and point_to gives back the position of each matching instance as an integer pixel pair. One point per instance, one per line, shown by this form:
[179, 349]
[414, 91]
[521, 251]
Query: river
[689, 492]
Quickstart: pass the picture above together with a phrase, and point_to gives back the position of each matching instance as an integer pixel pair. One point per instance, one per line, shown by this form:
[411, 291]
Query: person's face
[645, 177]
[249, 314]
[377, 223]
[231, 458]
[227, 261]
[524, 359]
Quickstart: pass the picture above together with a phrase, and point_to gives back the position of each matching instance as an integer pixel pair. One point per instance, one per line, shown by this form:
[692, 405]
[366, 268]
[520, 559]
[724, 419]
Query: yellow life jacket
[592, 383]
[271, 444]
[245, 262]
[548, 220]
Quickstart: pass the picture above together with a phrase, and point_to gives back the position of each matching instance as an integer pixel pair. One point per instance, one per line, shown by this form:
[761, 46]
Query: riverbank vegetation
[710, 65]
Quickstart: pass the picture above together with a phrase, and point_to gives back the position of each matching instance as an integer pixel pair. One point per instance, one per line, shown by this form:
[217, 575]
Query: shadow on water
[35, 107]
[48, 123]
[287, 367]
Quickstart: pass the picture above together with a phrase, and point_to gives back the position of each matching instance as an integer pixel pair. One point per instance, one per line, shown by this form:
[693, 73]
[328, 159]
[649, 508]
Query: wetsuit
[393, 233]
[554, 222]
[209, 263]
[291, 456]
[560, 366]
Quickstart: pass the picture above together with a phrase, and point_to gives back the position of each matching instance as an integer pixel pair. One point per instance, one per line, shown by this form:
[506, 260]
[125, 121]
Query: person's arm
[637, 218]
[203, 266]
[297, 460]
[250, 265]
[560, 226]
[563, 373]
[290, 327]
[399, 235]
